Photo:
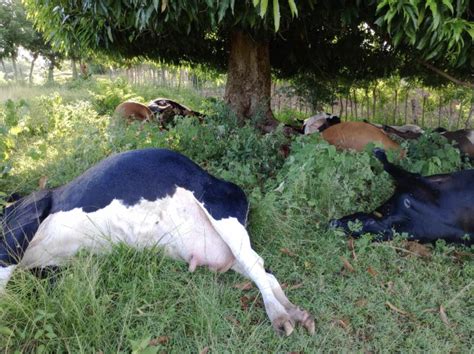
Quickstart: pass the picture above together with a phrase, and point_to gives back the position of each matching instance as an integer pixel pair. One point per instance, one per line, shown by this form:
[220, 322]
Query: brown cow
[134, 111]
[356, 135]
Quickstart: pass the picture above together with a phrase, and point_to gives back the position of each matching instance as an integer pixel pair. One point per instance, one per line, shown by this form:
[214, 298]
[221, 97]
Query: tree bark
[51, 72]
[3, 66]
[467, 125]
[248, 87]
[30, 76]
[74, 69]
[15, 70]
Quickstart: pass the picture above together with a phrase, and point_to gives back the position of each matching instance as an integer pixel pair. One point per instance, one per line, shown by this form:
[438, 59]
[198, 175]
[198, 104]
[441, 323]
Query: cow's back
[149, 174]
[356, 135]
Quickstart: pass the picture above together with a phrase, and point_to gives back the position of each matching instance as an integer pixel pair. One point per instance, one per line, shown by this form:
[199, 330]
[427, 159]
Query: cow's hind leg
[282, 313]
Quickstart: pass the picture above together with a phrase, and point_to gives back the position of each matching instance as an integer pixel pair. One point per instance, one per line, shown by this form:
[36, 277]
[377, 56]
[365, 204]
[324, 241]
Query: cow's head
[414, 208]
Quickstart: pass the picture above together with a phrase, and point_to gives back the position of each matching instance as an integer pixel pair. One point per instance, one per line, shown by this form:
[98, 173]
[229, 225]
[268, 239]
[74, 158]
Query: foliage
[110, 94]
[432, 154]
[437, 29]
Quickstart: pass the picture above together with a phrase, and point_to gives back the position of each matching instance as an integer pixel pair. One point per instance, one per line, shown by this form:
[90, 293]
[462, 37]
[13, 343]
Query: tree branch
[445, 75]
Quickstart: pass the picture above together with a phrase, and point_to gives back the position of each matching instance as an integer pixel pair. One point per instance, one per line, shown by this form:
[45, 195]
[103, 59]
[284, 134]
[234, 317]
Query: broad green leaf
[224, 4]
[293, 8]
[263, 7]
[449, 5]
[276, 14]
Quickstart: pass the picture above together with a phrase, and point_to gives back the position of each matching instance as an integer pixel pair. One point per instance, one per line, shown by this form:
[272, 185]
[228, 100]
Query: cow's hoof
[304, 318]
[308, 323]
[283, 325]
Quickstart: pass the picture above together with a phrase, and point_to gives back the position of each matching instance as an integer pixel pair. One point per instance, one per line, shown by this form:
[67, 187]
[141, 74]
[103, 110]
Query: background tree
[13, 32]
[323, 40]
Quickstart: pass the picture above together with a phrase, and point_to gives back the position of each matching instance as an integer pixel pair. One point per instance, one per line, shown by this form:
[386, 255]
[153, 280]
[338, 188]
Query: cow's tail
[20, 222]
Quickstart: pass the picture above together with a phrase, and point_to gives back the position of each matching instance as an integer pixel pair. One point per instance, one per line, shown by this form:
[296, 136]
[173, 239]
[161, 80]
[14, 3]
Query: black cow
[143, 198]
[427, 208]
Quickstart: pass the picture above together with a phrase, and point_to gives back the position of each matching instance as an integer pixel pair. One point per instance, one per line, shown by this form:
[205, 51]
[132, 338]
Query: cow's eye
[407, 203]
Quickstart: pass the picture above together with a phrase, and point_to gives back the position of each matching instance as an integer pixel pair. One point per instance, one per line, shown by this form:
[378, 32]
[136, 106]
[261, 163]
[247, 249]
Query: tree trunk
[468, 120]
[248, 87]
[374, 103]
[51, 72]
[367, 102]
[423, 112]
[15, 70]
[74, 69]
[439, 110]
[355, 103]
[413, 111]
[459, 115]
[395, 107]
[30, 76]
[406, 108]
[3, 66]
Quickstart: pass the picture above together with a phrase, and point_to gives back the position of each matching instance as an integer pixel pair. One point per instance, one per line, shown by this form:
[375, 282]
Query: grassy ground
[365, 296]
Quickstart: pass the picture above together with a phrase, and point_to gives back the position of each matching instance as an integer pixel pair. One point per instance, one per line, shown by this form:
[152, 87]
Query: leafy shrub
[432, 154]
[109, 94]
[320, 181]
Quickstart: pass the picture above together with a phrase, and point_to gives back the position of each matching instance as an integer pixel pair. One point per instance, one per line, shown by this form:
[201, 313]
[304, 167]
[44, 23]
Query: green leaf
[6, 331]
[449, 5]
[223, 6]
[263, 7]
[276, 14]
[293, 8]
[109, 34]
[156, 4]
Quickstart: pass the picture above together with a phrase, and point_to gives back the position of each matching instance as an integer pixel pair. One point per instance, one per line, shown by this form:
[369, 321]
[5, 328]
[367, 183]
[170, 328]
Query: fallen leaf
[42, 182]
[245, 302]
[204, 350]
[417, 248]
[247, 285]
[232, 319]
[344, 323]
[287, 252]
[372, 272]
[347, 265]
[296, 286]
[351, 245]
[460, 256]
[442, 314]
[396, 309]
[159, 340]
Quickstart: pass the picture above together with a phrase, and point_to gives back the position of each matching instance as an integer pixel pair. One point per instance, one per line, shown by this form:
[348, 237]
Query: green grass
[140, 301]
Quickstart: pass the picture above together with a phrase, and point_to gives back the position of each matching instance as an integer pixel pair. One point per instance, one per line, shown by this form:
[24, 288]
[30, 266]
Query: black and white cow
[427, 208]
[144, 198]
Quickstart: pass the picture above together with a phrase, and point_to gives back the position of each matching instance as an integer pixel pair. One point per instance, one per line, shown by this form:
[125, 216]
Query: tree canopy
[323, 39]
